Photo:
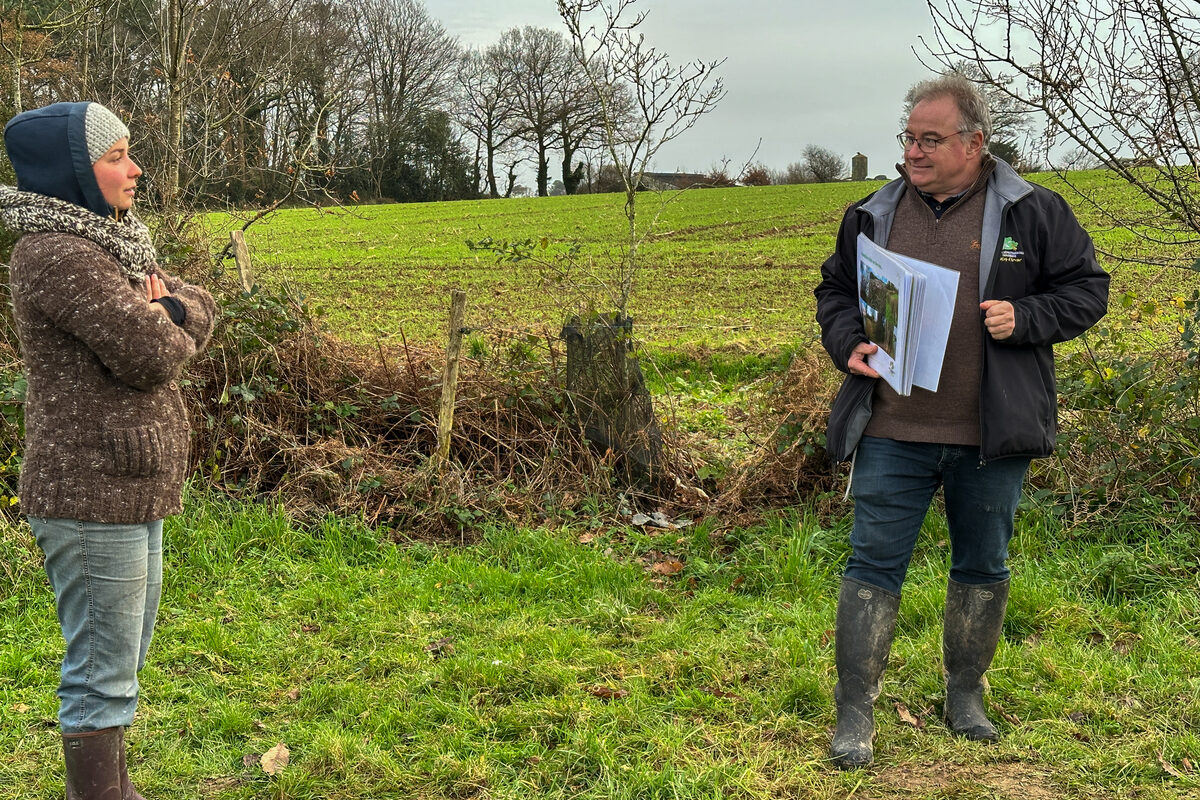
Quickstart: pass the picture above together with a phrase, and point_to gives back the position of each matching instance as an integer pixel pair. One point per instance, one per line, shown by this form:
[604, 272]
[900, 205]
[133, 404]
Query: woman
[104, 334]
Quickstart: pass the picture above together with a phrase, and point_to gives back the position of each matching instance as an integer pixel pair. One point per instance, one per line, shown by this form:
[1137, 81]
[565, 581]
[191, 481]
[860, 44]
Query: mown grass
[722, 269]
[554, 663]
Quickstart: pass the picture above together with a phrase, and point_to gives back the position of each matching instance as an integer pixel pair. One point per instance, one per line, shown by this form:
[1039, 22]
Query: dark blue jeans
[893, 485]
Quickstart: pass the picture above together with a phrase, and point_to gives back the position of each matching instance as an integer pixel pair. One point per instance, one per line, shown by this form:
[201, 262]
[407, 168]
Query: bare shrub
[792, 463]
[756, 175]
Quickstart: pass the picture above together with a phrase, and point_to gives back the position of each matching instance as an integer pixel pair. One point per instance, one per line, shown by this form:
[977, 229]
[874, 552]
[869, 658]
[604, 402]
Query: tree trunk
[611, 402]
[543, 173]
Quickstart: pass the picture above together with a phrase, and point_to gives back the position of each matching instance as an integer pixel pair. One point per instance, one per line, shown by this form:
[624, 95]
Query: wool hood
[49, 150]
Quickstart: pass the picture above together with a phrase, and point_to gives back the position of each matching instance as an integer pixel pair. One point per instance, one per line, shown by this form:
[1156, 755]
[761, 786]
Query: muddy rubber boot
[93, 762]
[971, 630]
[127, 790]
[866, 623]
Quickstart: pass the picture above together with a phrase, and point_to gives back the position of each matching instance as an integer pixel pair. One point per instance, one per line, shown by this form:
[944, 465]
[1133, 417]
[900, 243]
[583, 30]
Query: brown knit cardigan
[106, 430]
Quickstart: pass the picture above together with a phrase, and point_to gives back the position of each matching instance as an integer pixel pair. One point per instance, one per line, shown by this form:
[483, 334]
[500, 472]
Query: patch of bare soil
[1008, 781]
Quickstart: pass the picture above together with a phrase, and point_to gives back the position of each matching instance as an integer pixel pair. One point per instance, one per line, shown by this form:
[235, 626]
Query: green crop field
[589, 659]
[720, 268]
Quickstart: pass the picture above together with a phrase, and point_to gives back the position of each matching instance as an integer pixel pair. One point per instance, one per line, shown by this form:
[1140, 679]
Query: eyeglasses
[927, 143]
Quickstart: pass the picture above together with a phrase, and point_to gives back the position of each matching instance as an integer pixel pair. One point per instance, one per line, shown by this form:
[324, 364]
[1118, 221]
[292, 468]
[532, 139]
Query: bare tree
[1116, 82]
[667, 100]
[487, 108]
[822, 165]
[410, 62]
[538, 59]
[28, 45]
[175, 23]
[581, 122]
[324, 93]
[792, 174]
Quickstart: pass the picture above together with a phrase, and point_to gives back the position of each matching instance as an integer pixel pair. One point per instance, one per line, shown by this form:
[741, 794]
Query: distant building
[665, 181]
[858, 167]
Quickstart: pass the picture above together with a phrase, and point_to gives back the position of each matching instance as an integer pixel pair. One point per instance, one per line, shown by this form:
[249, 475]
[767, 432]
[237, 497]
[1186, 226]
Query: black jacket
[1034, 254]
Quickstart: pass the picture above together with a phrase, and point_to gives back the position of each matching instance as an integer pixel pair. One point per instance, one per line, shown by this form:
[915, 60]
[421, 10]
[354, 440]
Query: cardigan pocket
[134, 452]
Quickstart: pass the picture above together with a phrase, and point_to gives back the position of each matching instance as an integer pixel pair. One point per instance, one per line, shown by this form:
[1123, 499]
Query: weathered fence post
[241, 255]
[458, 305]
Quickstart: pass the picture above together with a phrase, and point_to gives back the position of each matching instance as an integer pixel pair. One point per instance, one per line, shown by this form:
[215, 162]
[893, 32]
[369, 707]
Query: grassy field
[594, 660]
[720, 266]
[729, 269]
[563, 664]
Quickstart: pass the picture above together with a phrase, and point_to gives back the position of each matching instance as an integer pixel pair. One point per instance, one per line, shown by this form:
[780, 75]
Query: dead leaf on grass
[1011, 719]
[1166, 765]
[293, 695]
[908, 718]
[1125, 643]
[587, 538]
[274, 760]
[669, 566]
[20, 708]
[441, 648]
[608, 693]
[717, 691]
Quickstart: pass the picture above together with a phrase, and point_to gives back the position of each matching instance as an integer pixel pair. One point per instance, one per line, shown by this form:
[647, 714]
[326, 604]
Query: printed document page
[926, 327]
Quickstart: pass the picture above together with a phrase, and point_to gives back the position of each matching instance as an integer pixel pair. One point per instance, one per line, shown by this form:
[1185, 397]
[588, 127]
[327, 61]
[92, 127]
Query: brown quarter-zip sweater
[950, 415]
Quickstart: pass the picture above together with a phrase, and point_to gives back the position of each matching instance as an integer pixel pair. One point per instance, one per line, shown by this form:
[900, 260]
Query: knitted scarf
[127, 240]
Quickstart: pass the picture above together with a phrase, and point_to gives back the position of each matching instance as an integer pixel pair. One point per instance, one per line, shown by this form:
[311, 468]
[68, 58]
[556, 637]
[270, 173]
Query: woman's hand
[155, 288]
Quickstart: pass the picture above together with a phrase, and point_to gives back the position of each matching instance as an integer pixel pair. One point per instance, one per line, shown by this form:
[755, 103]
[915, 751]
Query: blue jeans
[107, 580]
[893, 485]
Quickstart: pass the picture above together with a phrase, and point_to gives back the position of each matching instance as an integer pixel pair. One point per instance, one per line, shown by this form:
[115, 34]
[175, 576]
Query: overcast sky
[797, 72]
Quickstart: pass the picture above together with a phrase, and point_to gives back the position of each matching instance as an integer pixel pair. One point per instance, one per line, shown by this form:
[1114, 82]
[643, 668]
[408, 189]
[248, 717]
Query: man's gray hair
[972, 107]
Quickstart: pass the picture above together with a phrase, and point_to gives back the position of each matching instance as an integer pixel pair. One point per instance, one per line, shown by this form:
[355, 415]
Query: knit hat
[52, 150]
[101, 129]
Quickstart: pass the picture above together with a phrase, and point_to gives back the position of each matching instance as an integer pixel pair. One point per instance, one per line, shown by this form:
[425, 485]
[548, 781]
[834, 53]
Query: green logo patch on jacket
[1011, 251]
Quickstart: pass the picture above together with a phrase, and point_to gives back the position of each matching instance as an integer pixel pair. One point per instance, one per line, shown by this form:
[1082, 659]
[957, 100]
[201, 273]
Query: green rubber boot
[866, 623]
[973, 622]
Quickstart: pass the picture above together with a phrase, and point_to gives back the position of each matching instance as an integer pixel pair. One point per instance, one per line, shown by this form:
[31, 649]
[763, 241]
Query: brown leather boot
[127, 790]
[93, 762]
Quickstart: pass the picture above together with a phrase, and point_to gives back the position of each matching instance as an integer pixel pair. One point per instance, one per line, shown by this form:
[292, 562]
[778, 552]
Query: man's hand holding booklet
[907, 305]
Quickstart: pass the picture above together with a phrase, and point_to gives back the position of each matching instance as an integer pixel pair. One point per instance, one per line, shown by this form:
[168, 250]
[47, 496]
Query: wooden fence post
[458, 305]
[241, 255]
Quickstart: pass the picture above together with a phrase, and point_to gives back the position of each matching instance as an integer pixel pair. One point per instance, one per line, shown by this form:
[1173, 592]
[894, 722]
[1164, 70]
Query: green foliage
[1130, 433]
[557, 663]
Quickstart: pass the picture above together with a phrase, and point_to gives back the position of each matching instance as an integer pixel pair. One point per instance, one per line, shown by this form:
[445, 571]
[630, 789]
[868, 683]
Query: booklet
[907, 306]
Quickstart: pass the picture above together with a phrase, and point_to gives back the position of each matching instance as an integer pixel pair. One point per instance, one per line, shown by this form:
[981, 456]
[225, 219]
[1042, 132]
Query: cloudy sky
[797, 72]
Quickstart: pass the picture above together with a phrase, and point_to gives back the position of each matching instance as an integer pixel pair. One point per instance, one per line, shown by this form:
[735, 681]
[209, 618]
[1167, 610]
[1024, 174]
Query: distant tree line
[248, 101]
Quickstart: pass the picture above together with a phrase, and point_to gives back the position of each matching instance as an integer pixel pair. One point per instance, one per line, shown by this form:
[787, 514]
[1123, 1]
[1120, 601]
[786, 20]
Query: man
[1028, 278]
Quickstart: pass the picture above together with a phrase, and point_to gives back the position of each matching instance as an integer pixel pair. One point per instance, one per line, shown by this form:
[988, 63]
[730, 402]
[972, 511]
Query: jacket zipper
[987, 291]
